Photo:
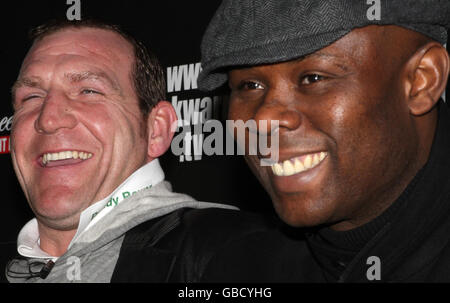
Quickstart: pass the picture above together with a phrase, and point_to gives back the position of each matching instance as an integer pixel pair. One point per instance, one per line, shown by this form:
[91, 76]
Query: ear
[161, 125]
[428, 71]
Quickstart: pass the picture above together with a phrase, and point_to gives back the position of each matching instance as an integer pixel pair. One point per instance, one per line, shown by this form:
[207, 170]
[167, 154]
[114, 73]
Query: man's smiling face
[348, 146]
[78, 131]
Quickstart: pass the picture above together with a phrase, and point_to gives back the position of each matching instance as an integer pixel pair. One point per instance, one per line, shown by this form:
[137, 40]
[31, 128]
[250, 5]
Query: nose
[278, 106]
[55, 114]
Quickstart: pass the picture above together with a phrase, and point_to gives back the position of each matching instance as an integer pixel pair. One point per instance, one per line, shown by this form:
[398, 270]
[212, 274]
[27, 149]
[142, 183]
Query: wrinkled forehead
[91, 43]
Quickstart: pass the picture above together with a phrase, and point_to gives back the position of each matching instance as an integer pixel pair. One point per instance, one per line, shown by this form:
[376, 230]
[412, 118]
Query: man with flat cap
[363, 176]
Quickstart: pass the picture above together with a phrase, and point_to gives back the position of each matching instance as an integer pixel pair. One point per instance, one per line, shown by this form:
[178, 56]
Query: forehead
[91, 44]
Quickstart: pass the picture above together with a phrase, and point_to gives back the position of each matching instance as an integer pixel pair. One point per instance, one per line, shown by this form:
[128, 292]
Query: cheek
[352, 117]
[23, 127]
[259, 171]
[108, 124]
[100, 122]
[119, 131]
[22, 142]
[232, 113]
[240, 110]
[367, 138]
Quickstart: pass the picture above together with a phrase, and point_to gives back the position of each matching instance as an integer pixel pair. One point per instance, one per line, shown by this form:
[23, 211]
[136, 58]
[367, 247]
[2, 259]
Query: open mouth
[298, 165]
[63, 158]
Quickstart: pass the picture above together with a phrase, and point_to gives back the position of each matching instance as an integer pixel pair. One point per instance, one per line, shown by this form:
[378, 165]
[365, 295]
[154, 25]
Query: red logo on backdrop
[4, 145]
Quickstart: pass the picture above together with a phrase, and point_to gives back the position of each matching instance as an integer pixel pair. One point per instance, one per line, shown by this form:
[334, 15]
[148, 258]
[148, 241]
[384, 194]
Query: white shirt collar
[28, 242]
[148, 175]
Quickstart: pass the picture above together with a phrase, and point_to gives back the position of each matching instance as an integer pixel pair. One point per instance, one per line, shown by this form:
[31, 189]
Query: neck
[55, 242]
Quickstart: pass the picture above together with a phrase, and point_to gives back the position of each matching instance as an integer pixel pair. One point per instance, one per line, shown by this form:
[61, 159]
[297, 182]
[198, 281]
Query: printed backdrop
[173, 30]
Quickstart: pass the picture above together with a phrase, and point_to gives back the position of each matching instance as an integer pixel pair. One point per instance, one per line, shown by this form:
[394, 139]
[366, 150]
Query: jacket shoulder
[196, 224]
[178, 246]
[210, 221]
[208, 232]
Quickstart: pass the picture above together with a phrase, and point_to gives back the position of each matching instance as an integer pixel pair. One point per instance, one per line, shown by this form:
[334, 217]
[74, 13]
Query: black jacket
[179, 246]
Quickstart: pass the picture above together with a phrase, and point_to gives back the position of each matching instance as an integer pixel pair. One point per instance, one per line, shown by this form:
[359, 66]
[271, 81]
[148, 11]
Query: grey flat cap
[252, 32]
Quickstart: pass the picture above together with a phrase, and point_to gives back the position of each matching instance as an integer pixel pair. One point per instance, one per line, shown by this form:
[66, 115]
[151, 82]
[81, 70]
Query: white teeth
[322, 156]
[65, 155]
[288, 168]
[277, 169]
[315, 160]
[308, 162]
[298, 166]
[295, 166]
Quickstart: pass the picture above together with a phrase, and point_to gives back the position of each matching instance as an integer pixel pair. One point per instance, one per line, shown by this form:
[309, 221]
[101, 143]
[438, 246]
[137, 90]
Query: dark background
[173, 30]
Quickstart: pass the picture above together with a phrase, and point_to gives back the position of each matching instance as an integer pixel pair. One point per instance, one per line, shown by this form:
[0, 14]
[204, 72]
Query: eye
[89, 91]
[312, 78]
[250, 85]
[27, 98]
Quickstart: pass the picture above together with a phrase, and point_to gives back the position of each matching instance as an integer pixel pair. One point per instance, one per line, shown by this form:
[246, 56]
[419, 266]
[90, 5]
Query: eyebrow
[72, 77]
[25, 81]
[90, 75]
[327, 56]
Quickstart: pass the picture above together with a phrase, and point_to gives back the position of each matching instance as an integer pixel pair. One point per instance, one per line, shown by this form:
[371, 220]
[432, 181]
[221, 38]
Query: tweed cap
[253, 32]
